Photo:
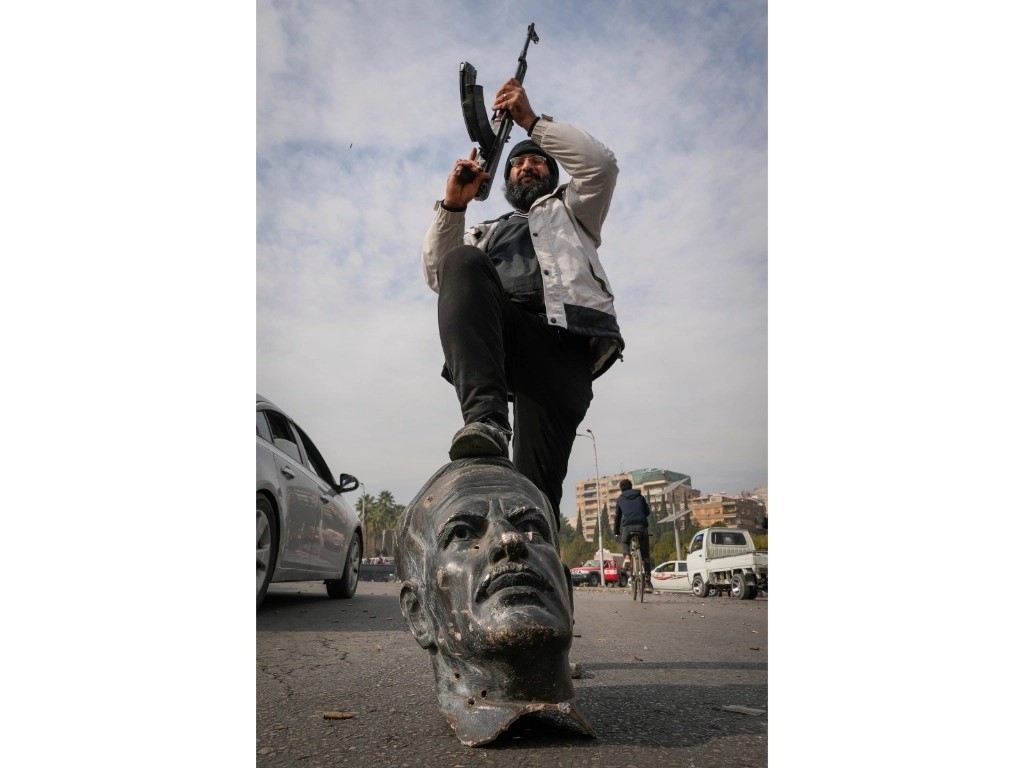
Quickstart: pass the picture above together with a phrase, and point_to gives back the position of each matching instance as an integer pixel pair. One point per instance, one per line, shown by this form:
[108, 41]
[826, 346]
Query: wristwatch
[536, 120]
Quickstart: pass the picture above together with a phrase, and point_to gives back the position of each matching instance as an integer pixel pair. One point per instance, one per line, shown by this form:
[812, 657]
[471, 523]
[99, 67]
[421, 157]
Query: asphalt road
[655, 680]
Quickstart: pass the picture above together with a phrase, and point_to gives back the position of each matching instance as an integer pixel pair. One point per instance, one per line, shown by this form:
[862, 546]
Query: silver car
[305, 530]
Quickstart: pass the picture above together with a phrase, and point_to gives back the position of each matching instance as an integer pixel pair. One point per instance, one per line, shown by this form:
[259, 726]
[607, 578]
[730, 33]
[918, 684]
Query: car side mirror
[347, 483]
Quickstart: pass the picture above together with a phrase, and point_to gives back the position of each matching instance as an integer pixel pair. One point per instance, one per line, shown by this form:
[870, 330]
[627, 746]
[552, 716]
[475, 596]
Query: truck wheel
[623, 580]
[593, 580]
[700, 589]
[738, 587]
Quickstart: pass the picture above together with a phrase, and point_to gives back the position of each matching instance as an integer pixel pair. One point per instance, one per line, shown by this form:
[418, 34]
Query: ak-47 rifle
[490, 135]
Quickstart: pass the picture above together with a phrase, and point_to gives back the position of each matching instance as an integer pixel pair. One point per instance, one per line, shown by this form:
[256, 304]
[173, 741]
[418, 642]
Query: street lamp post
[674, 516]
[600, 508]
[675, 529]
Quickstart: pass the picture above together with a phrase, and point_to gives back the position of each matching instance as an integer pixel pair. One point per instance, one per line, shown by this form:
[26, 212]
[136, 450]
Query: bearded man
[525, 310]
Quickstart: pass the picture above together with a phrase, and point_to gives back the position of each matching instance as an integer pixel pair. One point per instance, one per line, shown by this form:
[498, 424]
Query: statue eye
[460, 532]
[533, 529]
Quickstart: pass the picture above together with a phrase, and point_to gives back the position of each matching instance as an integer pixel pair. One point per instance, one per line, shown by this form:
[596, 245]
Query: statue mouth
[512, 578]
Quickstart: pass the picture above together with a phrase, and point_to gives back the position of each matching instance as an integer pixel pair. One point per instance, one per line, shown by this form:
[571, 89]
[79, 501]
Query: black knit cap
[527, 147]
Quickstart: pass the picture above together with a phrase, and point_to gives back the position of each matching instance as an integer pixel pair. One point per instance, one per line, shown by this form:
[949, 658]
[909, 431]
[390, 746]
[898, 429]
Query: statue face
[484, 590]
[494, 580]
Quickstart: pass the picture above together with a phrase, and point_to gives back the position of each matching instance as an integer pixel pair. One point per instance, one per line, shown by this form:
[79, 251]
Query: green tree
[381, 517]
[365, 507]
[371, 524]
[386, 500]
[663, 547]
[566, 533]
[607, 533]
[578, 551]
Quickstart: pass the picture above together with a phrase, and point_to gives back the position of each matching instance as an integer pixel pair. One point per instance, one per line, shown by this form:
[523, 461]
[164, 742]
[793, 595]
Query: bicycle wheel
[637, 564]
[643, 577]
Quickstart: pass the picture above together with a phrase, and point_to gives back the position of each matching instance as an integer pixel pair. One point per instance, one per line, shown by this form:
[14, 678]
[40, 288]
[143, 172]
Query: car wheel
[593, 580]
[266, 547]
[345, 587]
[623, 580]
[700, 589]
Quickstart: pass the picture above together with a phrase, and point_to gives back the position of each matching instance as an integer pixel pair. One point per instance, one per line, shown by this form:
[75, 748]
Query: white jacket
[566, 225]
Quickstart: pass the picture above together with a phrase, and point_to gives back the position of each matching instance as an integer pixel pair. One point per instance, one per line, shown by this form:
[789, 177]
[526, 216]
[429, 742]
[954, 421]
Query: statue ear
[418, 623]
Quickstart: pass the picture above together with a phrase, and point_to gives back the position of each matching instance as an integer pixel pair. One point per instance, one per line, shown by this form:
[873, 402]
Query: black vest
[510, 248]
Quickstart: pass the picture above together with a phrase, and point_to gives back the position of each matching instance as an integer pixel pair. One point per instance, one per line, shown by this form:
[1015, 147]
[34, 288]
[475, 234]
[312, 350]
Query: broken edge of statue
[485, 592]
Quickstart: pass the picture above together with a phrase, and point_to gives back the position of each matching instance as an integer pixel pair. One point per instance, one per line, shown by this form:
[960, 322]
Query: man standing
[525, 310]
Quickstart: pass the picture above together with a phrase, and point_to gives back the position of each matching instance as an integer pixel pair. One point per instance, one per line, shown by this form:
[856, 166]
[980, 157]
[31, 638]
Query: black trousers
[494, 349]
[645, 543]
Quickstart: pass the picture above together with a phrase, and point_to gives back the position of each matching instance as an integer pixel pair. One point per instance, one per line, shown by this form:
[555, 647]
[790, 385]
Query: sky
[358, 122]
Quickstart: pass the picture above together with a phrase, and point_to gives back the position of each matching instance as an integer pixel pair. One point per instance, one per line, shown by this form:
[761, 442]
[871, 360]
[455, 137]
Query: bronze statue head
[485, 592]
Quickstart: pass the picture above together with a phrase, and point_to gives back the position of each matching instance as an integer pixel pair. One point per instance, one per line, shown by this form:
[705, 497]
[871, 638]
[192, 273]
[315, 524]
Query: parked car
[590, 572]
[671, 576]
[305, 530]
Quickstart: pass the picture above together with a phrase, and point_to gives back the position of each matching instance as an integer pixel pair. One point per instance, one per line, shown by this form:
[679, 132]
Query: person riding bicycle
[631, 513]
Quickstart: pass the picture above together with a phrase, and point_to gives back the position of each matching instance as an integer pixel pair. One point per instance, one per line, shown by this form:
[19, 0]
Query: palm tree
[386, 499]
[397, 511]
[385, 514]
[363, 506]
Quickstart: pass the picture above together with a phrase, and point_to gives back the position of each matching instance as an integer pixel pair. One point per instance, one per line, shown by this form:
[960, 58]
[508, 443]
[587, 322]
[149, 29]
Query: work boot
[480, 438]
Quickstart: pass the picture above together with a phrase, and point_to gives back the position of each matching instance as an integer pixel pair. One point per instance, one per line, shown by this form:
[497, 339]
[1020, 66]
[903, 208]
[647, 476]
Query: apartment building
[744, 511]
[663, 488]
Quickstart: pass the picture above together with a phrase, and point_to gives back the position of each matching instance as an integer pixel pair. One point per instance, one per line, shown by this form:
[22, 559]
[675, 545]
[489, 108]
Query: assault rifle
[490, 135]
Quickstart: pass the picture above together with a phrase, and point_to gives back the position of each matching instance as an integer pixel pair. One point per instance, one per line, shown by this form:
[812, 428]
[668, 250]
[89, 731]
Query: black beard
[524, 194]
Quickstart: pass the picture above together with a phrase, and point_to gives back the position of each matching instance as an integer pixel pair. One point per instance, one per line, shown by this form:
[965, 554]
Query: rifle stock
[491, 136]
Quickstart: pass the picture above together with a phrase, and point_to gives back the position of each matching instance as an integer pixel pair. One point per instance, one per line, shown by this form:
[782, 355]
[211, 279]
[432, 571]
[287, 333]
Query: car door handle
[325, 498]
[287, 472]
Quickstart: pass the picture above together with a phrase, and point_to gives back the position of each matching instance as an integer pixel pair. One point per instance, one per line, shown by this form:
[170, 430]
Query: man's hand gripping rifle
[491, 135]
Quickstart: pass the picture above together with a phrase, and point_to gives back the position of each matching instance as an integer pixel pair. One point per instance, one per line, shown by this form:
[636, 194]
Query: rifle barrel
[492, 157]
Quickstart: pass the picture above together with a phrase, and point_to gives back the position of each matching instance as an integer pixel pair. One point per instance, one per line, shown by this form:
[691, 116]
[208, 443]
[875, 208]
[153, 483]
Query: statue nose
[509, 544]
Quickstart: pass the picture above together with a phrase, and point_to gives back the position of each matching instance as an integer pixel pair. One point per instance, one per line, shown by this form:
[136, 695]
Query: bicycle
[637, 562]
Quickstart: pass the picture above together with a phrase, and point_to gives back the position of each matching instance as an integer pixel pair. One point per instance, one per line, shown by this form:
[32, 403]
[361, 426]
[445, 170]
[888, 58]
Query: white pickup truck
[725, 558]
